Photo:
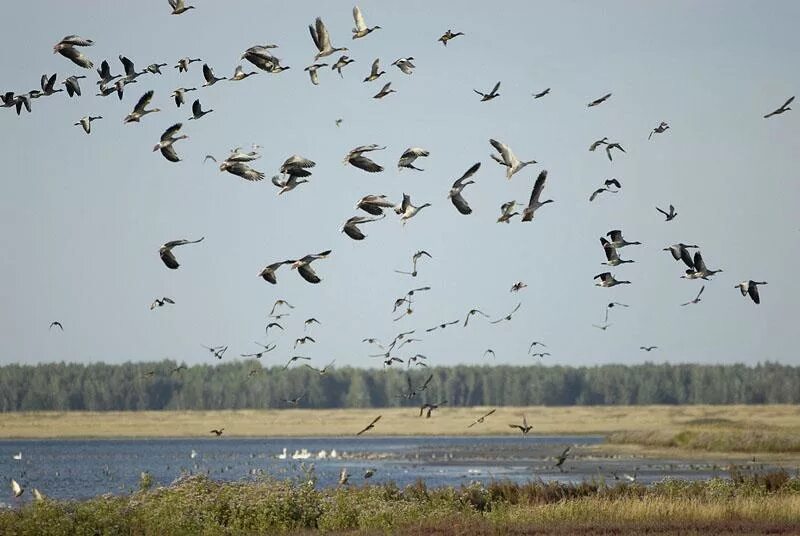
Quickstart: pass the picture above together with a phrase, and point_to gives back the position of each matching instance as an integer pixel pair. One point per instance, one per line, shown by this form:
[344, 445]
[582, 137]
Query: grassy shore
[744, 504]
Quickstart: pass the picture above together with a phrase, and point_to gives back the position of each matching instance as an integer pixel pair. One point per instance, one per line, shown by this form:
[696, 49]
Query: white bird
[455, 191]
[17, 456]
[312, 72]
[750, 287]
[86, 122]
[361, 29]
[16, 488]
[409, 156]
[508, 159]
[612, 256]
[322, 40]
[407, 210]
[534, 203]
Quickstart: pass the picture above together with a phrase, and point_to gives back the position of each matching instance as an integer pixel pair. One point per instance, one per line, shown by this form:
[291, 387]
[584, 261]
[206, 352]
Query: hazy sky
[82, 217]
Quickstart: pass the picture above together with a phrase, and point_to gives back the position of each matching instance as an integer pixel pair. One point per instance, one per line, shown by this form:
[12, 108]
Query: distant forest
[245, 384]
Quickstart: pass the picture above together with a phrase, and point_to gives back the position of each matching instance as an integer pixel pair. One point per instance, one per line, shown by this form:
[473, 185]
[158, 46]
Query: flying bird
[409, 156]
[350, 227]
[783, 108]
[448, 35]
[16, 488]
[612, 257]
[240, 169]
[430, 407]
[541, 94]
[519, 285]
[384, 91]
[491, 95]
[680, 252]
[607, 280]
[508, 159]
[534, 344]
[56, 324]
[370, 426]
[216, 432]
[197, 110]
[507, 211]
[266, 349]
[610, 146]
[524, 427]
[407, 210]
[455, 190]
[617, 241]
[303, 266]
[322, 40]
[86, 122]
[442, 326]
[700, 271]
[606, 188]
[669, 215]
[480, 420]
[562, 458]
[165, 252]
[414, 259]
[696, 299]
[179, 6]
[183, 64]
[295, 358]
[540, 354]
[661, 128]
[405, 65]
[600, 100]
[268, 273]
[165, 145]
[750, 287]
[341, 63]
[598, 143]
[160, 302]
[648, 348]
[312, 72]
[374, 72]
[361, 29]
[534, 203]
[239, 74]
[357, 159]
[508, 316]
[208, 74]
[66, 47]
[280, 303]
[140, 110]
[473, 312]
[180, 95]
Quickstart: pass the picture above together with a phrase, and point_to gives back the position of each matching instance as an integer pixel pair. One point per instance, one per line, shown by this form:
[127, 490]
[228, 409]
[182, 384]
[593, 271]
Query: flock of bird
[296, 170]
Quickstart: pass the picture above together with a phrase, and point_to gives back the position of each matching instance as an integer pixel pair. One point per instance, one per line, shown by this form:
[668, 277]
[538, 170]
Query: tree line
[165, 385]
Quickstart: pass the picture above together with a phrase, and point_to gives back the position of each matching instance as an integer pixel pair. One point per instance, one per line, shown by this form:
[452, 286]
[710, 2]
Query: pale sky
[82, 217]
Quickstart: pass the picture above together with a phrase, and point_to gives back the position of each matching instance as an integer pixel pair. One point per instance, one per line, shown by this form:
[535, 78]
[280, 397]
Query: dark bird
[430, 408]
[167, 141]
[541, 94]
[307, 323]
[165, 252]
[303, 266]
[295, 358]
[303, 340]
[159, 302]
[750, 287]
[140, 110]
[216, 432]
[562, 458]
[508, 316]
[607, 188]
[607, 280]
[524, 427]
[268, 273]
[696, 299]
[617, 241]
[350, 227]
[370, 426]
[534, 203]
[357, 159]
[519, 285]
[491, 95]
[266, 349]
[385, 90]
[598, 143]
[455, 190]
[218, 351]
[414, 259]
[197, 110]
[669, 215]
[155, 68]
[481, 419]
[293, 401]
[375, 71]
[601, 100]
[448, 35]
[610, 146]
[72, 85]
[784, 107]
[540, 354]
[180, 96]
[104, 72]
[680, 252]
[535, 344]
[661, 128]
[473, 312]
[700, 271]
[178, 7]
[208, 74]
[273, 325]
[442, 326]
[56, 324]
[323, 370]
[648, 348]
[612, 257]
[240, 169]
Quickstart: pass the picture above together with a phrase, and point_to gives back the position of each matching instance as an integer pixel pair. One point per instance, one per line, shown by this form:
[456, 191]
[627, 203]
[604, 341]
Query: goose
[273, 325]
[417, 360]
[167, 141]
[430, 407]
[312, 72]
[508, 159]
[507, 212]
[480, 419]
[750, 287]
[783, 108]
[322, 40]
[350, 227]
[303, 266]
[280, 303]
[541, 94]
[540, 354]
[66, 47]
[237, 155]
[389, 360]
[414, 259]
[524, 427]
[240, 169]
[179, 6]
[442, 326]
[239, 74]
[606, 188]
[491, 95]
[696, 299]
[72, 85]
[86, 122]
[48, 84]
[384, 91]
[534, 204]
[374, 204]
[680, 252]
[160, 302]
[217, 432]
[455, 190]
[130, 70]
[16, 488]
[295, 358]
[56, 324]
[73, 41]
[208, 74]
[607, 280]
[610, 146]
[268, 275]
[155, 68]
[598, 143]
[408, 210]
[217, 351]
[180, 95]
[197, 110]
[104, 72]
[648, 348]
[405, 65]
[8, 98]
[448, 35]
[669, 215]
[324, 370]
[23, 100]
[357, 159]
[409, 156]
[309, 322]
[617, 241]
[371, 425]
[661, 128]
[489, 352]
[140, 110]
[700, 271]
[17, 456]
[342, 62]
[165, 251]
[562, 458]
[118, 87]
[288, 184]
[183, 64]
[293, 402]
[612, 256]
[266, 349]
[508, 316]
[519, 285]
[600, 100]
[361, 29]
[261, 57]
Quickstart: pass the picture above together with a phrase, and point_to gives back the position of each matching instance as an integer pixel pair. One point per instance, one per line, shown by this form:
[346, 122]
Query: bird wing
[610, 251]
[144, 100]
[469, 173]
[614, 182]
[699, 264]
[208, 74]
[461, 204]
[662, 212]
[171, 130]
[752, 290]
[495, 88]
[169, 258]
[504, 151]
[169, 153]
[538, 187]
[128, 64]
[788, 102]
[615, 235]
[197, 109]
[364, 163]
[323, 38]
[375, 67]
[596, 193]
[701, 291]
[361, 25]
[308, 273]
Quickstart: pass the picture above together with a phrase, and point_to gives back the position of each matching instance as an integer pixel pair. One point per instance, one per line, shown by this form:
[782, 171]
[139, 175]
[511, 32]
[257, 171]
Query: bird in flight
[489, 352]
[491, 95]
[508, 159]
[534, 344]
[361, 29]
[370, 426]
[322, 40]
[534, 203]
[293, 401]
[600, 100]
[165, 252]
[696, 298]
[442, 326]
[602, 327]
[216, 432]
[448, 35]
[750, 287]
[266, 349]
[375, 71]
[669, 215]
[357, 159]
[607, 280]
[160, 302]
[612, 257]
[280, 303]
[562, 458]
[524, 427]
[86, 122]
[541, 94]
[179, 7]
[165, 145]
[516, 287]
[295, 358]
[218, 351]
[56, 324]
[385, 90]
[409, 156]
[430, 408]
[783, 108]
[610, 146]
[473, 312]
[661, 128]
[455, 190]
[16, 488]
[350, 227]
[648, 348]
[419, 254]
[508, 316]
[606, 188]
[480, 419]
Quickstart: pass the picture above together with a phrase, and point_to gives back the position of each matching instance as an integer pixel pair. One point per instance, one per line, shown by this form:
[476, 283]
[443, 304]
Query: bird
[361, 29]
[370, 426]
[374, 72]
[607, 280]
[408, 210]
[322, 40]
[350, 227]
[508, 316]
[38, 495]
[448, 35]
[140, 110]
[273, 325]
[612, 257]
[562, 458]
[17, 456]
[598, 143]
[155, 68]
[217, 351]
[600, 100]
[516, 287]
[66, 47]
[341, 63]
[268, 273]
[602, 327]
[239, 74]
[86, 122]
[369, 473]
[617, 241]
[480, 419]
[344, 476]
[323, 370]
[541, 94]
[680, 252]
[405, 65]
[288, 184]
[197, 110]
[56, 324]
[73, 85]
[178, 7]
[303, 340]
[669, 215]
[606, 188]
[297, 165]
[491, 95]
[534, 204]
[442, 326]
[208, 74]
[293, 401]
[309, 322]
[183, 64]
[130, 70]
[303, 266]
[216, 432]
[414, 259]
[783, 108]
[160, 302]
[508, 159]
[280, 303]
[648, 348]
[179, 95]
[16, 488]
[338, 122]
[661, 128]
[104, 72]
[699, 271]
[261, 56]
[409, 156]
[430, 407]
[610, 146]
[266, 349]
[507, 211]
[384, 91]
[696, 299]
[295, 358]
[455, 190]
[312, 72]
[240, 169]
[524, 427]
[473, 312]
[165, 251]
[534, 344]
[540, 354]
[750, 287]
[357, 159]
[165, 145]
[489, 351]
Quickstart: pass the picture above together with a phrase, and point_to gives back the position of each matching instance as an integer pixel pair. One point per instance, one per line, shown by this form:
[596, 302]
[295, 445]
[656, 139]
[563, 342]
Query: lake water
[77, 469]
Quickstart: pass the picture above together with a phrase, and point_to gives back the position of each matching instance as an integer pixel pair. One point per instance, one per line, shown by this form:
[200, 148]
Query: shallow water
[78, 469]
